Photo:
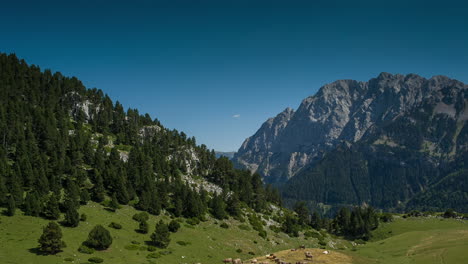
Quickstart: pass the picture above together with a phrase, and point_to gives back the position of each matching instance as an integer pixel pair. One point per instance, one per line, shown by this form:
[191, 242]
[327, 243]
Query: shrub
[244, 227]
[69, 259]
[132, 247]
[154, 255]
[239, 250]
[85, 250]
[83, 217]
[141, 217]
[115, 225]
[160, 237]
[174, 226]
[95, 260]
[224, 225]
[262, 233]
[99, 238]
[193, 221]
[251, 253]
[151, 248]
[143, 227]
[183, 243]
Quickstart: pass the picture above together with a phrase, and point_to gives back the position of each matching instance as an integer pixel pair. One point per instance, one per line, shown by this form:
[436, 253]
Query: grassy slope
[417, 240]
[209, 243]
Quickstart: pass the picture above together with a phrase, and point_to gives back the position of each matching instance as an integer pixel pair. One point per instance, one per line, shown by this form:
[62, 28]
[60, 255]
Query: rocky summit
[424, 119]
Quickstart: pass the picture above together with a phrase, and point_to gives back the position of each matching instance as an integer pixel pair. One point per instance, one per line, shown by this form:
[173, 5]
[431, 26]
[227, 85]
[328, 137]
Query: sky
[218, 69]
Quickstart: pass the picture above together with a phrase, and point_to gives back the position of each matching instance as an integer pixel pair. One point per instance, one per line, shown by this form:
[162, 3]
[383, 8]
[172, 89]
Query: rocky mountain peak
[343, 110]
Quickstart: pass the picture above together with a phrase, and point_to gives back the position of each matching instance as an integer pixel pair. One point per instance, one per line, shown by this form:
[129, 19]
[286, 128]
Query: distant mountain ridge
[421, 121]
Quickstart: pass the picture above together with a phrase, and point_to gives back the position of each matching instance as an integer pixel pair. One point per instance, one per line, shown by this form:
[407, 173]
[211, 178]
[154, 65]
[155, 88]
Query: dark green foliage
[143, 227]
[72, 217]
[83, 217]
[302, 213]
[224, 225]
[173, 226]
[51, 209]
[386, 217]
[291, 225]
[450, 213]
[218, 207]
[99, 238]
[11, 206]
[115, 225]
[32, 204]
[160, 237]
[51, 144]
[356, 224]
[50, 241]
[141, 217]
[85, 250]
[95, 260]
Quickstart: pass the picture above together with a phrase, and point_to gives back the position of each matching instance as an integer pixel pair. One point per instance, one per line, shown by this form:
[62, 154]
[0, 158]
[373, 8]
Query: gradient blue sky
[218, 69]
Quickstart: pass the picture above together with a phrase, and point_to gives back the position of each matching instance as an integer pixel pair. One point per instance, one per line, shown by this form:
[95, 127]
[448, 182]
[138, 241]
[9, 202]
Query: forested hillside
[63, 145]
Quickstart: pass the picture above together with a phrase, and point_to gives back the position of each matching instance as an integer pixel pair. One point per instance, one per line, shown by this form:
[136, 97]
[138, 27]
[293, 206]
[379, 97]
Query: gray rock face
[340, 111]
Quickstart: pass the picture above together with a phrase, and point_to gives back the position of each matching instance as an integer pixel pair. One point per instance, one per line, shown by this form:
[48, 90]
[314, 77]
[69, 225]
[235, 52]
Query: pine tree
[11, 206]
[51, 209]
[114, 204]
[218, 208]
[50, 241]
[99, 238]
[302, 212]
[72, 217]
[161, 236]
[32, 205]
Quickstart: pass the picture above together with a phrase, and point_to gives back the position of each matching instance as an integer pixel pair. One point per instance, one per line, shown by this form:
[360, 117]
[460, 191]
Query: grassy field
[404, 241]
[416, 240]
[204, 243]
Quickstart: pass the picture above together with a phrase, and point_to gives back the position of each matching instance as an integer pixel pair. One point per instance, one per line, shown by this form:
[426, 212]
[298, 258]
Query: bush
[224, 225]
[115, 225]
[386, 217]
[450, 213]
[154, 255]
[183, 243]
[193, 221]
[174, 226]
[95, 260]
[244, 227]
[132, 247]
[141, 217]
[69, 259]
[99, 238]
[160, 237]
[151, 248]
[83, 217]
[85, 250]
[251, 253]
[143, 227]
[263, 234]
[239, 250]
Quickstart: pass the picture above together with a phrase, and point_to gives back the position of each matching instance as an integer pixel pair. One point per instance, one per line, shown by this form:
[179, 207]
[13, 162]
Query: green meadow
[206, 242]
[424, 240]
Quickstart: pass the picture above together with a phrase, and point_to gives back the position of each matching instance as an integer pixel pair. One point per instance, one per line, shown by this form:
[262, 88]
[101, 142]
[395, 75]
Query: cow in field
[228, 260]
[308, 255]
[237, 261]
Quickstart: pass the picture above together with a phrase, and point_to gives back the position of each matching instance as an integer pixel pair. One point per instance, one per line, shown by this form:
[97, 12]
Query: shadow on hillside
[36, 251]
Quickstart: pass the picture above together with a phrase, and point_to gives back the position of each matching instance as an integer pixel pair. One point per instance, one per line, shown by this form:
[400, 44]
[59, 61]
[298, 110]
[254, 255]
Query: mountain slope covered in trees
[394, 142]
[63, 145]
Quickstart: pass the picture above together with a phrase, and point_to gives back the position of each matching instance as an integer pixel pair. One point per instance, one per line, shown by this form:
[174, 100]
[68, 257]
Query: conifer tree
[99, 238]
[50, 241]
[51, 209]
[160, 237]
[11, 206]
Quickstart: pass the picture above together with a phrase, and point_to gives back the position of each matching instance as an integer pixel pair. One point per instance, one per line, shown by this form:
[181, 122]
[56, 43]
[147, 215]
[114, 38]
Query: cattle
[302, 247]
[253, 261]
[301, 262]
[326, 252]
[228, 260]
[308, 255]
[237, 261]
[293, 249]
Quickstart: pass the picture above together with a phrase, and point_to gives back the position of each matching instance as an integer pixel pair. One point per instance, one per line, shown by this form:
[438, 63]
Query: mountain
[381, 142]
[228, 155]
[64, 143]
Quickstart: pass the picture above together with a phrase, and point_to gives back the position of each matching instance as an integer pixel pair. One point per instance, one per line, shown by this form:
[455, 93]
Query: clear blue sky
[218, 69]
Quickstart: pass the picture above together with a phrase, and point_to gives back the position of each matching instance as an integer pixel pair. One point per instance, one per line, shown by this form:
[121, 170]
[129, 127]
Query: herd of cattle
[273, 258]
